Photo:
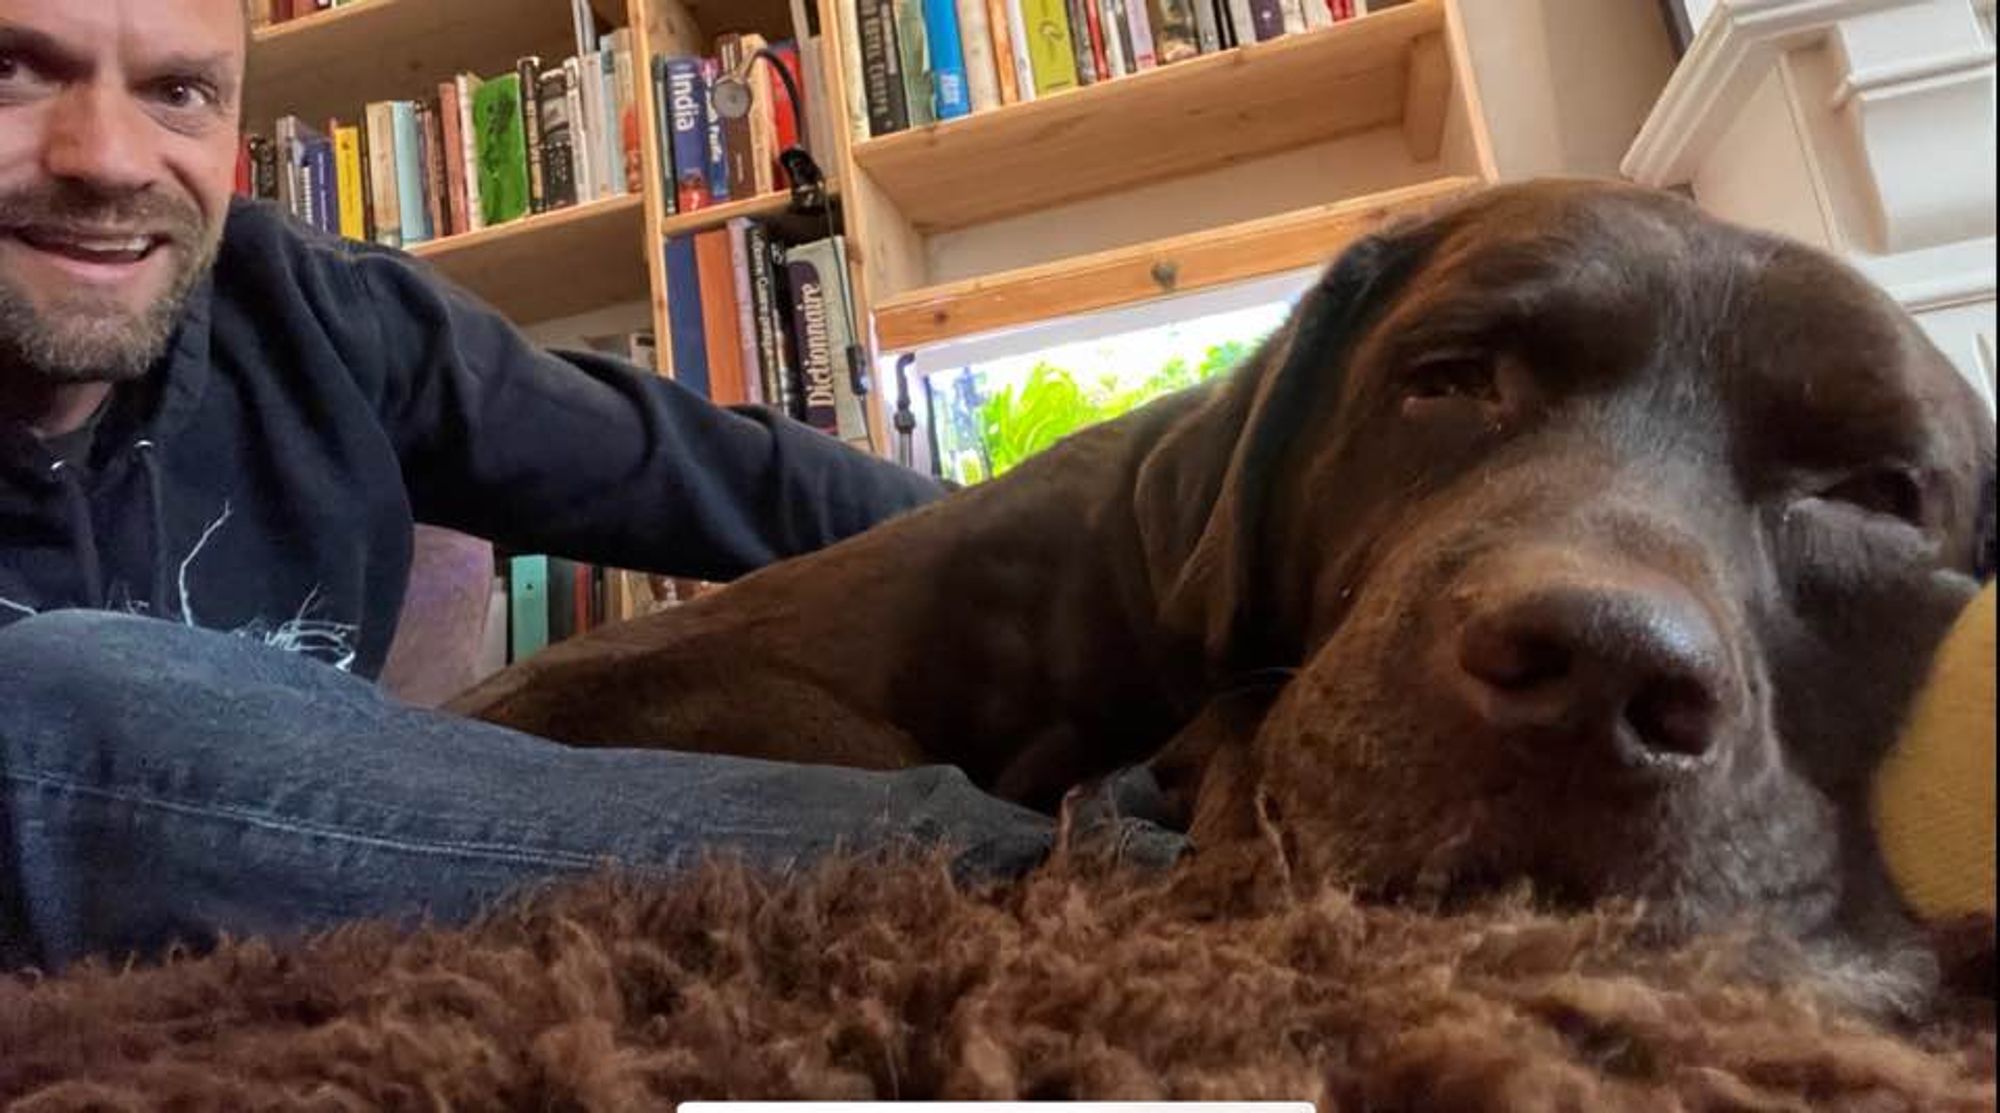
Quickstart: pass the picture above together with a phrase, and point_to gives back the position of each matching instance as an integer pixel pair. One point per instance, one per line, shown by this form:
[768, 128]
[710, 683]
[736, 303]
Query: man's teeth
[96, 247]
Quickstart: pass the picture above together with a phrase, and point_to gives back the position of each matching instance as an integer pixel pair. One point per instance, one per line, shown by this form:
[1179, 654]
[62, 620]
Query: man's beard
[83, 338]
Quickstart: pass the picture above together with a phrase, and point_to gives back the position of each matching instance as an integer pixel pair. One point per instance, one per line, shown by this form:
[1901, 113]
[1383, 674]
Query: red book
[1097, 41]
[452, 152]
[243, 184]
[782, 115]
[716, 266]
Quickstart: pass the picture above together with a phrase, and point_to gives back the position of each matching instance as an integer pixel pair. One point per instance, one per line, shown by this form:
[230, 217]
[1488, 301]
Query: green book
[501, 146]
[528, 598]
[916, 58]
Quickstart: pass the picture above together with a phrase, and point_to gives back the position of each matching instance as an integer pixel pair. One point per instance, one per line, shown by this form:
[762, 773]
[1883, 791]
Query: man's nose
[101, 136]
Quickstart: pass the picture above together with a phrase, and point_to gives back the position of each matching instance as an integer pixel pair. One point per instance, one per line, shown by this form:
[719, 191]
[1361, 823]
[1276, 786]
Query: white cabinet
[1861, 126]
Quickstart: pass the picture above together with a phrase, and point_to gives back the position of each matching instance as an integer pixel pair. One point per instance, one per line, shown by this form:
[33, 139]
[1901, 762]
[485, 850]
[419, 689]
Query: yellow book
[349, 182]
[1051, 54]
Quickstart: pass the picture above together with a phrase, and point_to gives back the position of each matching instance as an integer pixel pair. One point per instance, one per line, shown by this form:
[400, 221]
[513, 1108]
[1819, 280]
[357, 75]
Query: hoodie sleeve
[592, 458]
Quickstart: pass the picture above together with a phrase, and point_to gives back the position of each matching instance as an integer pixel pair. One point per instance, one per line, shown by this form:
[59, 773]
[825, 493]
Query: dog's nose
[1638, 672]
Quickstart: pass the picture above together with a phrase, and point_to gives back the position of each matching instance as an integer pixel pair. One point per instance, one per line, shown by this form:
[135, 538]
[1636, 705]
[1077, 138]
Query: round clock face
[731, 97]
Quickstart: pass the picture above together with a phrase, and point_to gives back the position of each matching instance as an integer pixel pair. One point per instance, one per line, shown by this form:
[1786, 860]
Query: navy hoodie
[319, 396]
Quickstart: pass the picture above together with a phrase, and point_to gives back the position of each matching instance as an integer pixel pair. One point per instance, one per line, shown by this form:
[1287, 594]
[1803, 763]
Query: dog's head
[1609, 544]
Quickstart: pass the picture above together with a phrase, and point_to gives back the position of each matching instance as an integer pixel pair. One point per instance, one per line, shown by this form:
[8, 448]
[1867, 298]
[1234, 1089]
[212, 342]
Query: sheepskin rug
[872, 980]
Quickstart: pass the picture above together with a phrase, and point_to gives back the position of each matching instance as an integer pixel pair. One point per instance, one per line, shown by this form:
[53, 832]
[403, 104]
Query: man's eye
[185, 93]
[1892, 491]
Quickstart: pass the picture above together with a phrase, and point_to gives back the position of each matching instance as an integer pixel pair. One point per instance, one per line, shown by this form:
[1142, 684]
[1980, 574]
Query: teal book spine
[409, 174]
[528, 599]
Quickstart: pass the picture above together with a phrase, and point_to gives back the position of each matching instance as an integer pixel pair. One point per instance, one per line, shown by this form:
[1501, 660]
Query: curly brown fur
[866, 981]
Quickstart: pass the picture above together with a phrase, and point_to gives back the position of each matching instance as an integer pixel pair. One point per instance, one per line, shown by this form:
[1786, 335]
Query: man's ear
[1203, 491]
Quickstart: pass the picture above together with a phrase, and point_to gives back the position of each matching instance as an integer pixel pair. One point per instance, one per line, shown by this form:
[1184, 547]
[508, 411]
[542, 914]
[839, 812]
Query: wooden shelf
[331, 63]
[715, 216]
[551, 265]
[1126, 275]
[1190, 116]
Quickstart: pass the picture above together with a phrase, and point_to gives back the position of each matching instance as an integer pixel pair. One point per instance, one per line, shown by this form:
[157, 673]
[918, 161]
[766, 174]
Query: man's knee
[72, 650]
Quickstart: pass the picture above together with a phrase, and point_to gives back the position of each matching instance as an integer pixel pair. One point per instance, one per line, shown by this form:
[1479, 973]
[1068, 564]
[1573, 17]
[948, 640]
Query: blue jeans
[161, 784]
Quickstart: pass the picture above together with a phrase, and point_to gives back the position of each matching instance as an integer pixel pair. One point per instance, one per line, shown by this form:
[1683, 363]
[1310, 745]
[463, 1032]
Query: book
[715, 138]
[1079, 40]
[687, 345]
[528, 71]
[1138, 21]
[263, 168]
[435, 194]
[785, 119]
[410, 174]
[1018, 42]
[1176, 37]
[882, 67]
[379, 118]
[625, 112]
[999, 25]
[1319, 14]
[586, 104]
[686, 133]
[468, 137]
[1101, 54]
[1208, 24]
[1117, 40]
[1242, 21]
[528, 612]
[847, 17]
[1267, 19]
[913, 43]
[819, 322]
[451, 152]
[772, 362]
[982, 75]
[717, 284]
[1051, 51]
[351, 181]
[321, 179]
[951, 95]
[559, 184]
[761, 166]
[500, 143]
[746, 310]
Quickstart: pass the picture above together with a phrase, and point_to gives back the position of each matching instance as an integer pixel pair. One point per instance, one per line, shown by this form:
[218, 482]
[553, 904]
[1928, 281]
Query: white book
[1114, 46]
[1017, 33]
[982, 82]
[468, 153]
[1144, 54]
[579, 133]
[591, 146]
[746, 314]
[1318, 14]
[622, 75]
[1295, 15]
[850, 69]
[1242, 22]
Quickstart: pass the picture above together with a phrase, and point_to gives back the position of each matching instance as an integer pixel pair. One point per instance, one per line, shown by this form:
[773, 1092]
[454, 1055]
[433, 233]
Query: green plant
[1051, 404]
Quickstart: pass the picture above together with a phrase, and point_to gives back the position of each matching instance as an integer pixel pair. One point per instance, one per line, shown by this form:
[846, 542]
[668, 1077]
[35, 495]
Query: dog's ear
[1984, 527]
[1203, 491]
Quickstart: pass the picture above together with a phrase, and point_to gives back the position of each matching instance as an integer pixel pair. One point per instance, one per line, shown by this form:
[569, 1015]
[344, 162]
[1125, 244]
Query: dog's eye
[1469, 376]
[1891, 491]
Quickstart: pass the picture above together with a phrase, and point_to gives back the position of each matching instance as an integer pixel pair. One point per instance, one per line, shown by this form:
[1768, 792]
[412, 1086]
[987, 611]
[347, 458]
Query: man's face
[118, 138]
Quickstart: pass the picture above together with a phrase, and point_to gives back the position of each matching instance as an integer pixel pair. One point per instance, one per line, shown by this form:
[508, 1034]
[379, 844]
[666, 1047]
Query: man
[216, 429]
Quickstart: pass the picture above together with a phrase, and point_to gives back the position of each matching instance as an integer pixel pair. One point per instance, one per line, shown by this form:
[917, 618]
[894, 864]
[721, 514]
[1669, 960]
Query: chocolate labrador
[1566, 534]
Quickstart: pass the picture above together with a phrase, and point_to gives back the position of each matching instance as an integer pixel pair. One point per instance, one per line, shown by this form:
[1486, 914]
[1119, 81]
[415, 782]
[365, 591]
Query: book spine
[982, 76]
[718, 316]
[686, 96]
[242, 183]
[763, 120]
[686, 343]
[582, 169]
[528, 605]
[1242, 21]
[409, 174]
[325, 180]
[1023, 48]
[663, 133]
[812, 339]
[1267, 19]
[1139, 25]
[822, 314]
[382, 174]
[770, 350]
[1294, 15]
[1079, 41]
[951, 94]
[263, 168]
[468, 152]
[624, 76]
[609, 122]
[1000, 28]
[451, 152]
[1100, 40]
[913, 43]
[352, 184]
[1052, 51]
[1207, 28]
[558, 159]
[717, 138]
[882, 68]
[749, 356]
[283, 143]
[529, 70]
[1117, 40]
[847, 18]
[435, 190]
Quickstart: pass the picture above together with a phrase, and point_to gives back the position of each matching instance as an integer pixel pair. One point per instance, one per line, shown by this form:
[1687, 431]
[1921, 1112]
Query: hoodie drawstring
[82, 534]
[149, 465]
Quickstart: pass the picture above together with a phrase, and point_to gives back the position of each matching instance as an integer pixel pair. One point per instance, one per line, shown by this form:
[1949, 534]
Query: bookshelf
[1218, 169]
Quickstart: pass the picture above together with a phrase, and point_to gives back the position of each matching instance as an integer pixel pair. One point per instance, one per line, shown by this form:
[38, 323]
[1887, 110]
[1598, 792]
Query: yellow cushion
[1934, 796]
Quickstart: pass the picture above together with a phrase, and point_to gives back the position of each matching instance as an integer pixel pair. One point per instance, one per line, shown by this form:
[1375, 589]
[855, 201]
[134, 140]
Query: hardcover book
[350, 180]
[820, 330]
[529, 72]
[715, 137]
[381, 142]
[687, 342]
[500, 143]
[1176, 37]
[882, 67]
[410, 174]
[951, 96]
[1051, 51]
[559, 183]
[913, 43]
[687, 125]
[468, 157]
[982, 77]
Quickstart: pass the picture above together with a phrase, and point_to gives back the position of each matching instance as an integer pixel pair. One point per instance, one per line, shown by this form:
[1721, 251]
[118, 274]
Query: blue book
[951, 97]
[716, 145]
[687, 121]
[410, 202]
[326, 199]
[528, 605]
[690, 338]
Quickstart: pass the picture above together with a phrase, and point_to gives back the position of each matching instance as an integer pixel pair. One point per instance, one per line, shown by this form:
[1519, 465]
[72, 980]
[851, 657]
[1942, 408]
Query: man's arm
[593, 458]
